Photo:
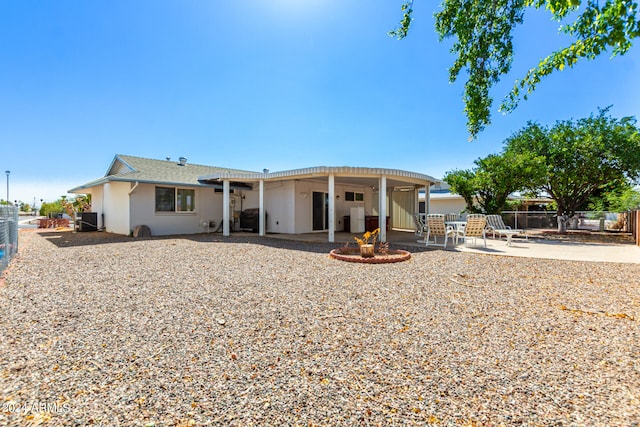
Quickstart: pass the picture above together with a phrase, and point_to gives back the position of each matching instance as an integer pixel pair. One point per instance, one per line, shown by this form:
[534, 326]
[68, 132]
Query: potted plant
[367, 250]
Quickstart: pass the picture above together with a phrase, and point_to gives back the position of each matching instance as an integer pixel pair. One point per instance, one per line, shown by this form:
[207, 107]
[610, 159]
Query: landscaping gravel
[97, 329]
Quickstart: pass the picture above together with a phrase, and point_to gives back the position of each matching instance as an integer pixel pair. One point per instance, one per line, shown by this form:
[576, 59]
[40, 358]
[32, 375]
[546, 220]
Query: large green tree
[485, 188]
[482, 31]
[581, 157]
[463, 182]
[620, 196]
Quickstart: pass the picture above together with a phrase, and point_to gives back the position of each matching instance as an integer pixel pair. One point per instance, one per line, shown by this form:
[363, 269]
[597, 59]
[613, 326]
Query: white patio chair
[495, 225]
[451, 217]
[420, 226]
[436, 227]
[475, 228]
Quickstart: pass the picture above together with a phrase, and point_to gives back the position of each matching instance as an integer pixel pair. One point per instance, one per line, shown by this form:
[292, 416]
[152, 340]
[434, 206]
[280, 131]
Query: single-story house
[181, 198]
[442, 200]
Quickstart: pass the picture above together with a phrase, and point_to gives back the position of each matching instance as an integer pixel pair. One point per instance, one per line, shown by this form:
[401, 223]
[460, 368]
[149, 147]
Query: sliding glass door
[320, 210]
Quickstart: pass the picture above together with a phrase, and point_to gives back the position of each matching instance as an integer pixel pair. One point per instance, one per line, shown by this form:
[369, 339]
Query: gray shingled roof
[169, 172]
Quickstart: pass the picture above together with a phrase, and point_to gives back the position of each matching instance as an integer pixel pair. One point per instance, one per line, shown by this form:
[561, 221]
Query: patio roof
[354, 175]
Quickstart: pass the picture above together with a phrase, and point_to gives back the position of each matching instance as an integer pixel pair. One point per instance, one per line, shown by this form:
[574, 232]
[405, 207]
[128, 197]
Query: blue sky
[278, 84]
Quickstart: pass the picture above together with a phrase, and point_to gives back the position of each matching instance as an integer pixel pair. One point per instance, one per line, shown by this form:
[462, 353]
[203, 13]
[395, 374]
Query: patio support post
[382, 219]
[225, 208]
[332, 208]
[261, 229]
[427, 199]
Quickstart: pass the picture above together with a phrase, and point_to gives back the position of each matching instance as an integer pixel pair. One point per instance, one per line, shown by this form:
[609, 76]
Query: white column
[225, 208]
[427, 199]
[332, 208]
[382, 219]
[261, 212]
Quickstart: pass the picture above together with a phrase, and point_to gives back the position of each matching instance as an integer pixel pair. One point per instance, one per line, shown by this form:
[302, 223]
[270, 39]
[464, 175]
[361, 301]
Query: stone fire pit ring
[353, 255]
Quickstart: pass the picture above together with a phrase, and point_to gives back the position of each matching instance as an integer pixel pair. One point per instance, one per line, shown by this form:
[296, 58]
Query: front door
[320, 210]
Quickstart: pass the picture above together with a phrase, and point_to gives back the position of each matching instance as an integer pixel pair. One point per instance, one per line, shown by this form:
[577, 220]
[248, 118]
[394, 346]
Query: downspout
[134, 187]
[129, 194]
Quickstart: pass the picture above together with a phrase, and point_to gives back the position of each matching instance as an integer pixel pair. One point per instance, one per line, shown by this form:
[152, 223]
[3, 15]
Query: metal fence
[8, 234]
[584, 220]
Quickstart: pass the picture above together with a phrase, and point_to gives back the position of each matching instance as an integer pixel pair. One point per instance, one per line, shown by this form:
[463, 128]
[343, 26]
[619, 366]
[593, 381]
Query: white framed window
[171, 199]
[351, 196]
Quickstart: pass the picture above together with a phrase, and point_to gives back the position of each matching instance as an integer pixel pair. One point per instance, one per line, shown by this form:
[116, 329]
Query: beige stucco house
[182, 198]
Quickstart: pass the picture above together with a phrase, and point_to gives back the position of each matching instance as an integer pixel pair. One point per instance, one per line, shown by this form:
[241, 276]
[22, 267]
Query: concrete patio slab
[551, 249]
[531, 248]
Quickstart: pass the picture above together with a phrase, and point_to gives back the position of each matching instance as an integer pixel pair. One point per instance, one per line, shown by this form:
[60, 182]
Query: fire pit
[353, 255]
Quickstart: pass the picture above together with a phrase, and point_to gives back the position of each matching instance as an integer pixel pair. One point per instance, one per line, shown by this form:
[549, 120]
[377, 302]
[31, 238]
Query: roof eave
[319, 171]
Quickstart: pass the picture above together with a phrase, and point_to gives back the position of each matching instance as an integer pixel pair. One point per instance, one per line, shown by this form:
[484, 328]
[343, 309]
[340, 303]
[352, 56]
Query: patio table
[509, 234]
[458, 228]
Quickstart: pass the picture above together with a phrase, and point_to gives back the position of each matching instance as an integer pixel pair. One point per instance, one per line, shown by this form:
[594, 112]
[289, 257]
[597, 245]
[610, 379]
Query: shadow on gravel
[67, 239]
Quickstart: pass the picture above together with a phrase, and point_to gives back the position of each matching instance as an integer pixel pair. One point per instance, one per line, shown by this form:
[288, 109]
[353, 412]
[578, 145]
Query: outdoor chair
[451, 217]
[453, 220]
[436, 227]
[421, 227]
[495, 225]
[475, 228]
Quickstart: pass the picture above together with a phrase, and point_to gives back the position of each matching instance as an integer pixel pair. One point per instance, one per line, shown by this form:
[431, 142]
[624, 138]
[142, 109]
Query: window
[350, 196]
[186, 200]
[170, 199]
[165, 199]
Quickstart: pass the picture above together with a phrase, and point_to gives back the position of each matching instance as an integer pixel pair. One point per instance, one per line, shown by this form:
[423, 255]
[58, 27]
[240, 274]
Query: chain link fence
[8, 234]
[583, 220]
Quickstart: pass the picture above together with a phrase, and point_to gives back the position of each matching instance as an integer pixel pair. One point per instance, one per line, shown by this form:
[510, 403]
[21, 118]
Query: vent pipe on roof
[168, 158]
[183, 161]
[265, 170]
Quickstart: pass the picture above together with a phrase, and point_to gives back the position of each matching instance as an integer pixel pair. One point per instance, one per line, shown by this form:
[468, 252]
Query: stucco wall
[448, 205]
[97, 203]
[304, 204]
[289, 205]
[208, 206]
[279, 204]
[116, 207]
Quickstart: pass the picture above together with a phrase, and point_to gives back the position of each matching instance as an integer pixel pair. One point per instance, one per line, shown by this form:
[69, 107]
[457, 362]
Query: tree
[581, 157]
[79, 204]
[625, 200]
[487, 187]
[483, 32]
[51, 208]
[624, 197]
[463, 182]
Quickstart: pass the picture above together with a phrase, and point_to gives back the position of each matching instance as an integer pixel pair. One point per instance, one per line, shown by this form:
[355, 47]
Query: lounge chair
[475, 228]
[436, 227]
[421, 228]
[495, 225]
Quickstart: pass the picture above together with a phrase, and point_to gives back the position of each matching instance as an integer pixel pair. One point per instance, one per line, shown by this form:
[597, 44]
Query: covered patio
[315, 200]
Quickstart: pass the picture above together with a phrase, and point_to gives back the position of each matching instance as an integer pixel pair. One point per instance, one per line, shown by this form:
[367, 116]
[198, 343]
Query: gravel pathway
[105, 330]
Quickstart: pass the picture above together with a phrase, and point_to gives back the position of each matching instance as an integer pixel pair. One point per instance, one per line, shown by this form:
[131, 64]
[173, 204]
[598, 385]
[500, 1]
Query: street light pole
[7, 172]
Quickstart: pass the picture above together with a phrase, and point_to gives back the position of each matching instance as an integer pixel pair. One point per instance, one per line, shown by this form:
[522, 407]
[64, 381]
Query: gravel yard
[199, 330]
